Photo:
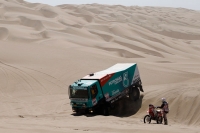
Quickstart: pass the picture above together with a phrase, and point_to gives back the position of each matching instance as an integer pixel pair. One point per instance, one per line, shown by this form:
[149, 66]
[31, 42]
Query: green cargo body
[110, 85]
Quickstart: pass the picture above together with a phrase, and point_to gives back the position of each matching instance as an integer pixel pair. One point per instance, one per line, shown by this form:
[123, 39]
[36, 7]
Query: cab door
[96, 93]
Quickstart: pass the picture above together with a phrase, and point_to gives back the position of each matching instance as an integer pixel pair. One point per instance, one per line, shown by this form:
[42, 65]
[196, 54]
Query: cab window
[94, 91]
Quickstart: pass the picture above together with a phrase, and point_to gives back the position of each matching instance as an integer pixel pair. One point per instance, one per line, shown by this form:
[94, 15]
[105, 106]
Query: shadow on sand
[123, 108]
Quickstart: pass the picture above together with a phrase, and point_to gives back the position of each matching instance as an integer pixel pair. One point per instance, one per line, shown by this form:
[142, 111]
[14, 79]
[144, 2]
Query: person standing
[165, 107]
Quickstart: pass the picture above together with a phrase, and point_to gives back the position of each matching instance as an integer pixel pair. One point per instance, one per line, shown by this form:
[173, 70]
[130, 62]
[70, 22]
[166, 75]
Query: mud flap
[141, 89]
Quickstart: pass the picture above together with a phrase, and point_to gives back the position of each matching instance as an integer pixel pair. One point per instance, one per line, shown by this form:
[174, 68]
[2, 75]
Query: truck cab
[84, 94]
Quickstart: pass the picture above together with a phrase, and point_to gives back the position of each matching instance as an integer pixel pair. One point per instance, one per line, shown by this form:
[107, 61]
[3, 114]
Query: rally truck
[101, 90]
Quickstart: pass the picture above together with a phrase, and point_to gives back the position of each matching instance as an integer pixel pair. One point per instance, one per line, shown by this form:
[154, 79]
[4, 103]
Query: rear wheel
[105, 111]
[86, 111]
[147, 119]
[159, 120]
[134, 94]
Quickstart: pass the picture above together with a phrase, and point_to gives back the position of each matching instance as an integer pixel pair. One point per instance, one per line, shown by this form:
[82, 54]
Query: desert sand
[43, 49]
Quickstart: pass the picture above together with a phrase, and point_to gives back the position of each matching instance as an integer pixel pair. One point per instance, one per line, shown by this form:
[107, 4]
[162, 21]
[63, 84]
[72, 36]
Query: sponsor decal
[136, 76]
[125, 79]
[94, 101]
[105, 79]
[119, 96]
[116, 81]
[115, 92]
[106, 95]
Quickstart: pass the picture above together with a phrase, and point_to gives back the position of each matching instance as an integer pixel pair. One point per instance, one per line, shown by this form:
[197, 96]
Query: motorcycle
[153, 114]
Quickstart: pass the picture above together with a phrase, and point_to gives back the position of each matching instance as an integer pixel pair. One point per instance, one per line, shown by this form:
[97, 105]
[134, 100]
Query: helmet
[150, 104]
[163, 100]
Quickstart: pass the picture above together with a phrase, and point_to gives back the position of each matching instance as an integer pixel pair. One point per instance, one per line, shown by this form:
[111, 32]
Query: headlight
[84, 105]
[73, 103]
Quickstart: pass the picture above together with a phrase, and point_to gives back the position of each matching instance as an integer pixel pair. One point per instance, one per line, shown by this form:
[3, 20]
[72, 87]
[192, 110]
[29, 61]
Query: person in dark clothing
[165, 108]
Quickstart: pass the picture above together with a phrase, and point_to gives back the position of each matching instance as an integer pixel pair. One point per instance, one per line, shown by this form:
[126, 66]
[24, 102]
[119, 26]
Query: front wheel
[147, 119]
[159, 120]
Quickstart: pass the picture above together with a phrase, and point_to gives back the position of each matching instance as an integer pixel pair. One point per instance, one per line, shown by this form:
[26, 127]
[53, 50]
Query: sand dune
[43, 49]
[3, 33]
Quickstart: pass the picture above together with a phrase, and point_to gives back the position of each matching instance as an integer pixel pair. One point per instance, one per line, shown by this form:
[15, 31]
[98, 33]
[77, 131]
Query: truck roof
[110, 71]
[83, 83]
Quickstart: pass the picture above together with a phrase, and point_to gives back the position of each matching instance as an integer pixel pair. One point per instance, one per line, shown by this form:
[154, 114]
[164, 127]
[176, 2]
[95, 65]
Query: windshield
[77, 93]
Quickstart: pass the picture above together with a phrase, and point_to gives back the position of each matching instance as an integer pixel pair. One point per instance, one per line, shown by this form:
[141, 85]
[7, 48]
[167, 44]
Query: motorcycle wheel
[159, 120]
[147, 119]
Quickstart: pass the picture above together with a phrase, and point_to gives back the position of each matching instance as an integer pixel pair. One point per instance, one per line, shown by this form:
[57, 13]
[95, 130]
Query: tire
[134, 94]
[77, 112]
[147, 119]
[105, 111]
[86, 111]
[159, 120]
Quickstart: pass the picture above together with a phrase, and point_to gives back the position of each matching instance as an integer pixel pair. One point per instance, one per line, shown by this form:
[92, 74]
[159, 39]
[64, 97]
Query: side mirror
[69, 91]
